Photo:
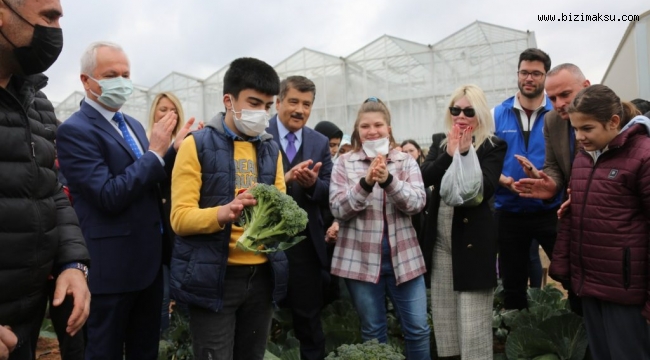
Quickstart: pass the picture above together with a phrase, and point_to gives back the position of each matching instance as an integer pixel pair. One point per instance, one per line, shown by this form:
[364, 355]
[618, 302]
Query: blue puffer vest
[509, 129]
[199, 262]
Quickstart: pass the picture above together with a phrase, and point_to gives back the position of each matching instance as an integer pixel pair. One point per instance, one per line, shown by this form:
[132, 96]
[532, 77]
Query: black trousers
[615, 331]
[27, 334]
[305, 299]
[125, 326]
[240, 329]
[516, 232]
[71, 347]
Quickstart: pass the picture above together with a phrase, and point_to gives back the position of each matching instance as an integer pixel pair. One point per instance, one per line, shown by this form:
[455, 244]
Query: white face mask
[250, 122]
[115, 91]
[373, 148]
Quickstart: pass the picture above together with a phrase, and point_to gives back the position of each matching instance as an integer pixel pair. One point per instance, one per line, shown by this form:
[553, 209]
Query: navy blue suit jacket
[117, 198]
[315, 146]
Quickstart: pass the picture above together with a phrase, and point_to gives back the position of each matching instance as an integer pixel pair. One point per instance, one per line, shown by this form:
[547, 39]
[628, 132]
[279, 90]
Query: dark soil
[47, 349]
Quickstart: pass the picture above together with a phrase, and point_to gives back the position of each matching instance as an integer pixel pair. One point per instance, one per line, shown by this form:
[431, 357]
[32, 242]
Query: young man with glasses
[519, 121]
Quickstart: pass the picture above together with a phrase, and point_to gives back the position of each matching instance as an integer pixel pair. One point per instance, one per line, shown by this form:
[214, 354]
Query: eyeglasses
[469, 112]
[536, 75]
[371, 99]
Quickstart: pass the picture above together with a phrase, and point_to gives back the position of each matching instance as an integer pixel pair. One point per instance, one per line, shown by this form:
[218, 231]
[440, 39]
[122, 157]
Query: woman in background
[162, 104]
[464, 249]
[412, 148]
[345, 147]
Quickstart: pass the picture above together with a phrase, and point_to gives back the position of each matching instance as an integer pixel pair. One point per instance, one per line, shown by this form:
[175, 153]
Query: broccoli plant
[369, 350]
[273, 223]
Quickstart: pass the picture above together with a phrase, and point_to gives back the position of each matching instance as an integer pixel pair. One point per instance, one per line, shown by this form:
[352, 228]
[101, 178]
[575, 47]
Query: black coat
[474, 231]
[39, 230]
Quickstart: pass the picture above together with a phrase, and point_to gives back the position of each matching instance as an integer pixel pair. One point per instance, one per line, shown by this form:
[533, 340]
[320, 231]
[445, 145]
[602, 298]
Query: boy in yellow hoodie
[230, 292]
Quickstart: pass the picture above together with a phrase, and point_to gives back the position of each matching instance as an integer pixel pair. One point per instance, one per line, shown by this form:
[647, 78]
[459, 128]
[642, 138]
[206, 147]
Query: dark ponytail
[601, 103]
[629, 112]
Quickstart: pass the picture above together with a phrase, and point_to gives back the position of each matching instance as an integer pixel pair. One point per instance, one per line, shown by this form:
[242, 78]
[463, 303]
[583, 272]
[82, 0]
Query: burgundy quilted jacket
[603, 242]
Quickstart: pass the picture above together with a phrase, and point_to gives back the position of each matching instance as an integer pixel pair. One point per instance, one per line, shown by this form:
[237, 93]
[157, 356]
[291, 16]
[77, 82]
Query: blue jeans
[409, 299]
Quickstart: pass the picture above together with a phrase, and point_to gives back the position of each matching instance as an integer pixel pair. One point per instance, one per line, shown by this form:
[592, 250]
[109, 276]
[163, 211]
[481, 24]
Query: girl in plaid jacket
[373, 193]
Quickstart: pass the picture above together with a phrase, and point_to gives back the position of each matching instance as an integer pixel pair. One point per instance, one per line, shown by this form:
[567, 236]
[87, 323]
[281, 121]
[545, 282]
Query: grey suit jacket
[557, 163]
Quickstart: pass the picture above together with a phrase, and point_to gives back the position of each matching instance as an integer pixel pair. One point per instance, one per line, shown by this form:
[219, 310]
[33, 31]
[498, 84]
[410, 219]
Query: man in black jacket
[39, 230]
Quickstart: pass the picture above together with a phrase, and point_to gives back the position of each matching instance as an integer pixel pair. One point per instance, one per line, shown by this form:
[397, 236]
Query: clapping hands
[377, 172]
[303, 175]
[459, 139]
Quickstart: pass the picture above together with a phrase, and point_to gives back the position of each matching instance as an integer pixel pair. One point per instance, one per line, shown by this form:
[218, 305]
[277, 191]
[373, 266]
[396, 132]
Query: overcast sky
[198, 37]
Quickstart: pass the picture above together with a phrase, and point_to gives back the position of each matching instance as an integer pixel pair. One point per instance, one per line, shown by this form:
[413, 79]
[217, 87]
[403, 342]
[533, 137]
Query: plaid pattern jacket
[357, 254]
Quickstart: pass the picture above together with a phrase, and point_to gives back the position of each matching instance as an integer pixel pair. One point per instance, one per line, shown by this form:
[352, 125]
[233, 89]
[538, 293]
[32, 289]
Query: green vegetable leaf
[527, 342]
[569, 335]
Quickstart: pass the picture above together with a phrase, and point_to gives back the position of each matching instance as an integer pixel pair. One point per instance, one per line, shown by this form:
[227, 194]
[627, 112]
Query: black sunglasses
[469, 112]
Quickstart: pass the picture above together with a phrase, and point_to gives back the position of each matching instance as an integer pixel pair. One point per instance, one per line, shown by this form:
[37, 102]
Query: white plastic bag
[462, 184]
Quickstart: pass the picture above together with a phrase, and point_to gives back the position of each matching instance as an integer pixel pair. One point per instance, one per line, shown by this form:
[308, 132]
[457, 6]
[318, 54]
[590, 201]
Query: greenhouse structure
[415, 80]
[628, 74]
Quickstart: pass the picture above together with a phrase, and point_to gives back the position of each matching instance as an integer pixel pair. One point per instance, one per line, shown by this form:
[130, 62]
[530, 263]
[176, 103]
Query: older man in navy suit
[308, 166]
[114, 174]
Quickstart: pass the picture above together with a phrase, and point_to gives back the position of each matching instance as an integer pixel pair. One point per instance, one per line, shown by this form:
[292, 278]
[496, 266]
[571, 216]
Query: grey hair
[89, 57]
[573, 69]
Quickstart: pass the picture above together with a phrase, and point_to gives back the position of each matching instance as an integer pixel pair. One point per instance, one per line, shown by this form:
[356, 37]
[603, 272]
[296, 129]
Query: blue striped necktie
[121, 124]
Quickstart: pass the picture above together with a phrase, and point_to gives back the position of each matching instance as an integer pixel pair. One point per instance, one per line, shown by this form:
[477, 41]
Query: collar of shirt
[392, 156]
[533, 116]
[235, 137]
[282, 133]
[107, 114]
[517, 104]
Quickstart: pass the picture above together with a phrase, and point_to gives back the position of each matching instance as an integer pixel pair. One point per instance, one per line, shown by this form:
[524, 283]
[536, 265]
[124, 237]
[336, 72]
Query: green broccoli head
[369, 350]
[273, 223]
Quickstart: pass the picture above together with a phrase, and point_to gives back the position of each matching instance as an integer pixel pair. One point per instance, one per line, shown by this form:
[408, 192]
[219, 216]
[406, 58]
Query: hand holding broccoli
[231, 211]
[273, 223]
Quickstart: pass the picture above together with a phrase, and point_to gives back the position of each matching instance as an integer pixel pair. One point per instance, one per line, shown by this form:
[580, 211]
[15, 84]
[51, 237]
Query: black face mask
[42, 52]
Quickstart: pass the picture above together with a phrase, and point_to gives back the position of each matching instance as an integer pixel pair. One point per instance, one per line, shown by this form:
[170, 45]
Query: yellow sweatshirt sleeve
[186, 216]
[279, 176]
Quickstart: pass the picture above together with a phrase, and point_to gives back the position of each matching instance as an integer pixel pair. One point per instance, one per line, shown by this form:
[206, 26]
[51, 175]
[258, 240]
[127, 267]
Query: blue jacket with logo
[508, 128]
[199, 262]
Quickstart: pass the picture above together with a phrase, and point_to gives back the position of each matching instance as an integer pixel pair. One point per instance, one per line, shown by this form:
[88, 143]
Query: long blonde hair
[476, 98]
[179, 112]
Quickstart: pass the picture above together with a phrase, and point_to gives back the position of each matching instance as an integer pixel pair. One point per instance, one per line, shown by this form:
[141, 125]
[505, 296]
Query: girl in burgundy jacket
[602, 246]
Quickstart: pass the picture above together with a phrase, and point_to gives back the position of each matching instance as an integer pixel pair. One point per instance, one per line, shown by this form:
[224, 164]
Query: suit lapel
[138, 131]
[98, 120]
[307, 138]
[565, 145]
[273, 130]
[559, 135]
